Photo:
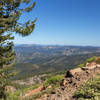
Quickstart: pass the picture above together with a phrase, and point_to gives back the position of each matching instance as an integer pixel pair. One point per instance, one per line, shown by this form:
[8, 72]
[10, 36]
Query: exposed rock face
[10, 89]
[92, 64]
[72, 72]
[74, 78]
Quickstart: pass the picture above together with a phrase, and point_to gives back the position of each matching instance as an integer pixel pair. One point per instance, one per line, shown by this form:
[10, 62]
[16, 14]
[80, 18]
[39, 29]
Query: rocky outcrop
[73, 79]
[89, 66]
[10, 89]
[72, 72]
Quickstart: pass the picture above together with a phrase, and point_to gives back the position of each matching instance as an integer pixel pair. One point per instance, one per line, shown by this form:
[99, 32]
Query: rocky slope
[73, 79]
[60, 87]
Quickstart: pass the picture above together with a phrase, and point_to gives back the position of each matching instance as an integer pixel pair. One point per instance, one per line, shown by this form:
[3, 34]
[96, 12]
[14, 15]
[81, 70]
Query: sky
[64, 22]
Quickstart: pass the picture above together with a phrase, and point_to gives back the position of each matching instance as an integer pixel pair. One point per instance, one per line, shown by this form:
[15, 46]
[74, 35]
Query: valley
[44, 59]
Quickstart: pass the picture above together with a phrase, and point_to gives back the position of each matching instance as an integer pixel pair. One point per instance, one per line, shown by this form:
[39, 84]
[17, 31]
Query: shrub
[89, 91]
[91, 59]
[53, 80]
[81, 65]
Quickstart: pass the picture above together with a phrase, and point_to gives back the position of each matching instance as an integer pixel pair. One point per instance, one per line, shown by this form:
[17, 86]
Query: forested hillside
[39, 59]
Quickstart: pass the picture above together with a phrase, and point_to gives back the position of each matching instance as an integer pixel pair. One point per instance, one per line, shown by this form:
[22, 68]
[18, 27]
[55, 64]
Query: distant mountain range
[37, 59]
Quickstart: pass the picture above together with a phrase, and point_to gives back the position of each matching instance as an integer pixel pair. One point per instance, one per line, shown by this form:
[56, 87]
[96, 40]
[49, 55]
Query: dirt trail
[32, 92]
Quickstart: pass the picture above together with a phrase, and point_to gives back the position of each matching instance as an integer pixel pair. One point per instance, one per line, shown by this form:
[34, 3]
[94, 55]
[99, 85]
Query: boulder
[92, 67]
[49, 87]
[10, 89]
[72, 72]
[92, 64]
[98, 65]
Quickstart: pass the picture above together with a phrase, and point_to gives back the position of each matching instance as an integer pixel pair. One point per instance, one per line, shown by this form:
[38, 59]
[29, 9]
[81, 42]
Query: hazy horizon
[58, 45]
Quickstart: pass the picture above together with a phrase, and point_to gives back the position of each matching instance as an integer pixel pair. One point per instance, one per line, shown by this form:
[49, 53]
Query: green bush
[89, 60]
[81, 65]
[53, 80]
[89, 91]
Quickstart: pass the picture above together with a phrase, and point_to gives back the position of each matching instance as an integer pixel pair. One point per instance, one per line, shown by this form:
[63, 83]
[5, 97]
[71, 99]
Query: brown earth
[30, 93]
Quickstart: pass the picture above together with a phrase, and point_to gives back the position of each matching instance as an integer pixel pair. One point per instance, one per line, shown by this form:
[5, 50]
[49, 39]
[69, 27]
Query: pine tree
[10, 13]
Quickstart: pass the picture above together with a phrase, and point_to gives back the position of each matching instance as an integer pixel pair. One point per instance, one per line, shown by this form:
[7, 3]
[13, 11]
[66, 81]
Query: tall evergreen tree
[10, 13]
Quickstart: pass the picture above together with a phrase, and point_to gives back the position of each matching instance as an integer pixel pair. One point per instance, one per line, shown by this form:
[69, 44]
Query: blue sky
[64, 22]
